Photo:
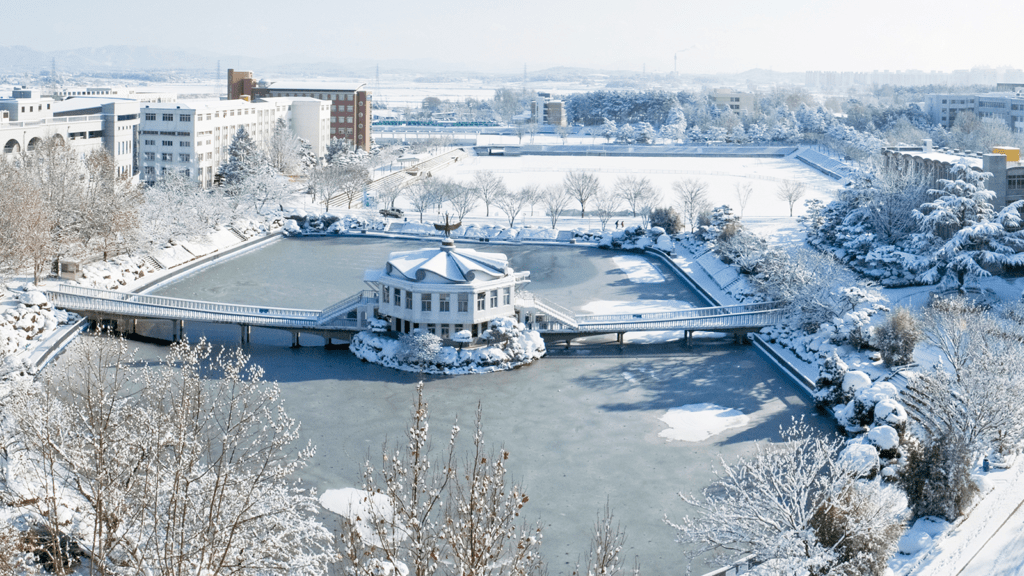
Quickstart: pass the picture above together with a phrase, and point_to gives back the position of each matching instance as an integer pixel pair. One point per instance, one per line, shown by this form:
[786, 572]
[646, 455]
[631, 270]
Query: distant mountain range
[118, 60]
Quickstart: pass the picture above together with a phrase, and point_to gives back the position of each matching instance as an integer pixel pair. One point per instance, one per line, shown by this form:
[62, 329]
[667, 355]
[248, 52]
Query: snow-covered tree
[177, 208]
[609, 130]
[780, 506]
[185, 467]
[979, 238]
[284, 149]
[420, 347]
[743, 193]
[462, 199]
[245, 158]
[336, 150]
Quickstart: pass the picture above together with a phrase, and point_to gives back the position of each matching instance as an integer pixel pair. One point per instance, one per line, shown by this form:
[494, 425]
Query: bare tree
[26, 223]
[110, 207]
[463, 199]
[743, 193]
[339, 182]
[481, 517]
[605, 203]
[638, 193]
[388, 191]
[603, 558]
[514, 201]
[582, 186]
[422, 195]
[791, 191]
[692, 198]
[555, 199]
[488, 186]
[284, 149]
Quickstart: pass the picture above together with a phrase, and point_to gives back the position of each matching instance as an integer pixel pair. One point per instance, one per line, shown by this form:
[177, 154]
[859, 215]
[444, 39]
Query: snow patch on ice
[638, 269]
[698, 422]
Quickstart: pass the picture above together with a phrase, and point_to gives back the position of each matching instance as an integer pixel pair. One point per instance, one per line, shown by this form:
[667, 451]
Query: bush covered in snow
[22, 326]
[897, 336]
[511, 346]
[937, 477]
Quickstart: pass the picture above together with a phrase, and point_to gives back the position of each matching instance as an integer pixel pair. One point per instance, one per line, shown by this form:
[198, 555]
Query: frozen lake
[582, 425]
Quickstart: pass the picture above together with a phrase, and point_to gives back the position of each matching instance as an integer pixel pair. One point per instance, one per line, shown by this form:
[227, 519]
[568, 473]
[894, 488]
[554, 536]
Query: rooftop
[447, 264]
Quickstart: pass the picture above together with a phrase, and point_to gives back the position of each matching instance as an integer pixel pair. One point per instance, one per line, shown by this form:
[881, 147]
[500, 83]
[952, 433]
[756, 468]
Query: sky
[707, 37]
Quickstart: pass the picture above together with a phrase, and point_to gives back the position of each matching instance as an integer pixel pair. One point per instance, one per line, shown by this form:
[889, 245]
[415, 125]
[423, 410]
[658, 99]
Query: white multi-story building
[86, 124]
[192, 138]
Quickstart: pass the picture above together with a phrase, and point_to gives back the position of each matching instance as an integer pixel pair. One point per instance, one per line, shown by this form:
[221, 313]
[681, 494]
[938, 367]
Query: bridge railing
[347, 305]
[681, 314]
[561, 314]
[181, 303]
[751, 320]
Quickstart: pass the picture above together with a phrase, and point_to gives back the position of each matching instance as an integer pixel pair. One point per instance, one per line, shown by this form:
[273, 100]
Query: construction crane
[675, 59]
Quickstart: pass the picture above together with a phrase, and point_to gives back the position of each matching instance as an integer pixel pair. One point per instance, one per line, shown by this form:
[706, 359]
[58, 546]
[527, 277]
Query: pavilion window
[398, 297]
[481, 301]
[508, 295]
[425, 303]
[443, 303]
[494, 298]
[463, 302]
[408, 299]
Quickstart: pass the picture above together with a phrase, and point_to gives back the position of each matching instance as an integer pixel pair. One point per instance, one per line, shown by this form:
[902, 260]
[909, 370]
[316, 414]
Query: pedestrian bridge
[352, 314]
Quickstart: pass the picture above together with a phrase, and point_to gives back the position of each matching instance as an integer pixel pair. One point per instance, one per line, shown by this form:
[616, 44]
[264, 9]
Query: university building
[192, 138]
[86, 124]
[1007, 181]
[350, 105]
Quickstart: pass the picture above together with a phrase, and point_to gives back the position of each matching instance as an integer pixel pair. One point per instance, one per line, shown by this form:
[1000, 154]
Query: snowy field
[721, 174]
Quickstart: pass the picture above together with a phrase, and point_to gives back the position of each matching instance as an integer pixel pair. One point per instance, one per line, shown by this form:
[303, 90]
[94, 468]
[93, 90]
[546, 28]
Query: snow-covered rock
[33, 298]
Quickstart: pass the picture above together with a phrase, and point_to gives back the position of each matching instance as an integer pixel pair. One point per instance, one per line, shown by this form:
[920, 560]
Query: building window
[151, 116]
[167, 157]
[408, 299]
[425, 302]
[398, 297]
[494, 298]
[432, 328]
[184, 158]
[150, 155]
[481, 301]
[444, 331]
[386, 294]
[185, 144]
[168, 142]
[150, 170]
[150, 142]
[463, 302]
[186, 118]
[508, 296]
[168, 117]
[443, 303]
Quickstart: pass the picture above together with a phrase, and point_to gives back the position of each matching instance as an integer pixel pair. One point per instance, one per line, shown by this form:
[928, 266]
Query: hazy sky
[732, 36]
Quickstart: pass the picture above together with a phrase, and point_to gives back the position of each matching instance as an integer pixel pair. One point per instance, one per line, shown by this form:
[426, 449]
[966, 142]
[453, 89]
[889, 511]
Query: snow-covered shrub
[937, 477]
[886, 440]
[668, 219]
[829, 385]
[862, 524]
[416, 352]
[897, 337]
[419, 348]
[860, 458]
[712, 224]
[889, 412]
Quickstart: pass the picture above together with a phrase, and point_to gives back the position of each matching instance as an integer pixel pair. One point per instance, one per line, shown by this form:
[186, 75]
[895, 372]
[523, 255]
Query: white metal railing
[530, 300]
[129, 304]
[347, 305]
[688, 313]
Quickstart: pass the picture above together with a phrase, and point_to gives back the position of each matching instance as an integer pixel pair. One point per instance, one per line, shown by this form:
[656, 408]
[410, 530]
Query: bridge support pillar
[178, 330]
[295, 340]
[689, 338]
[568, 341]
[246, 333]
[619, 337]
[134, 326]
